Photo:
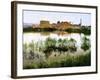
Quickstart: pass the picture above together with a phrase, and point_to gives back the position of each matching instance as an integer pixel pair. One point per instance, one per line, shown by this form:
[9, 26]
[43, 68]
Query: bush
[56, 46]
[85, 44]
[63, 61]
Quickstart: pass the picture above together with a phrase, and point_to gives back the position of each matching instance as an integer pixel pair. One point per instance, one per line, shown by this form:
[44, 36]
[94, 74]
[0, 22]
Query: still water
[36, 37]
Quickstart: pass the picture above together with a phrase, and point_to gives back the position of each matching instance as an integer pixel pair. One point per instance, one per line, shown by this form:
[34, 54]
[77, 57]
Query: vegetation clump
[56, 53]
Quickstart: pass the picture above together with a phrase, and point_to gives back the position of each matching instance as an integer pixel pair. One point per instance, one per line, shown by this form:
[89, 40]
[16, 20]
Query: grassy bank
[53, 53]
[68, 60]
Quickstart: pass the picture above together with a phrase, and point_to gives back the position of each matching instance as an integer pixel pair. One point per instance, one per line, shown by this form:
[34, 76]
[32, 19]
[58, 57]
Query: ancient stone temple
[64, 25]
[44, 24]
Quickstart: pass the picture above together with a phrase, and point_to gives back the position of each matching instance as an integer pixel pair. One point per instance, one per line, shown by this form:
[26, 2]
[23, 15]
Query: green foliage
[25, 46]
[86, 30]
[30, 29]
[59, 46]
[63, 61]
[85, 44]
[31, 46]
[83, 29]
[70, 30]
[50, 45]
[50, 42]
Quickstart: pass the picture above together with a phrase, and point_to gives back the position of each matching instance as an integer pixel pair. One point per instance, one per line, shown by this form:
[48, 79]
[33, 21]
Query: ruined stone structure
[64, 25]
[59, 25]
[44, 24]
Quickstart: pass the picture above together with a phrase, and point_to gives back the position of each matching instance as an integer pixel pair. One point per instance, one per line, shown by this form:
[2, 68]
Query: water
[29, 37]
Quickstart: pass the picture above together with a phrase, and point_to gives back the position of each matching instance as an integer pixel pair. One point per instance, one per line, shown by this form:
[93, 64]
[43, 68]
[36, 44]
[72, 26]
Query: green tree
[50, 42]
[49, 46]
[85, 43]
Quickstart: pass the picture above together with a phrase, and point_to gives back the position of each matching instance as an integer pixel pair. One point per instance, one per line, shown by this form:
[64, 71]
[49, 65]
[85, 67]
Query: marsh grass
[68, 60]
[53, 53]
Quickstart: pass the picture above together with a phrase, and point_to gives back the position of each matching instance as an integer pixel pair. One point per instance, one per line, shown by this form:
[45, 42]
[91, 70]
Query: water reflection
[29, 37]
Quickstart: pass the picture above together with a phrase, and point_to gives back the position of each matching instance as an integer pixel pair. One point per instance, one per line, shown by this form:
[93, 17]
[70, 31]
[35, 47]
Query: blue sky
[34, 17]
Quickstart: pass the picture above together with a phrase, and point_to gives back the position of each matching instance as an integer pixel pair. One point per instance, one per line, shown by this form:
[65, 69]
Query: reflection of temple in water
[61, 33]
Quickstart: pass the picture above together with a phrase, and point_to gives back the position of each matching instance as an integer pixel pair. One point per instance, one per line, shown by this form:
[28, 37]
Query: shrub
[63, 61]
[85, 44]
